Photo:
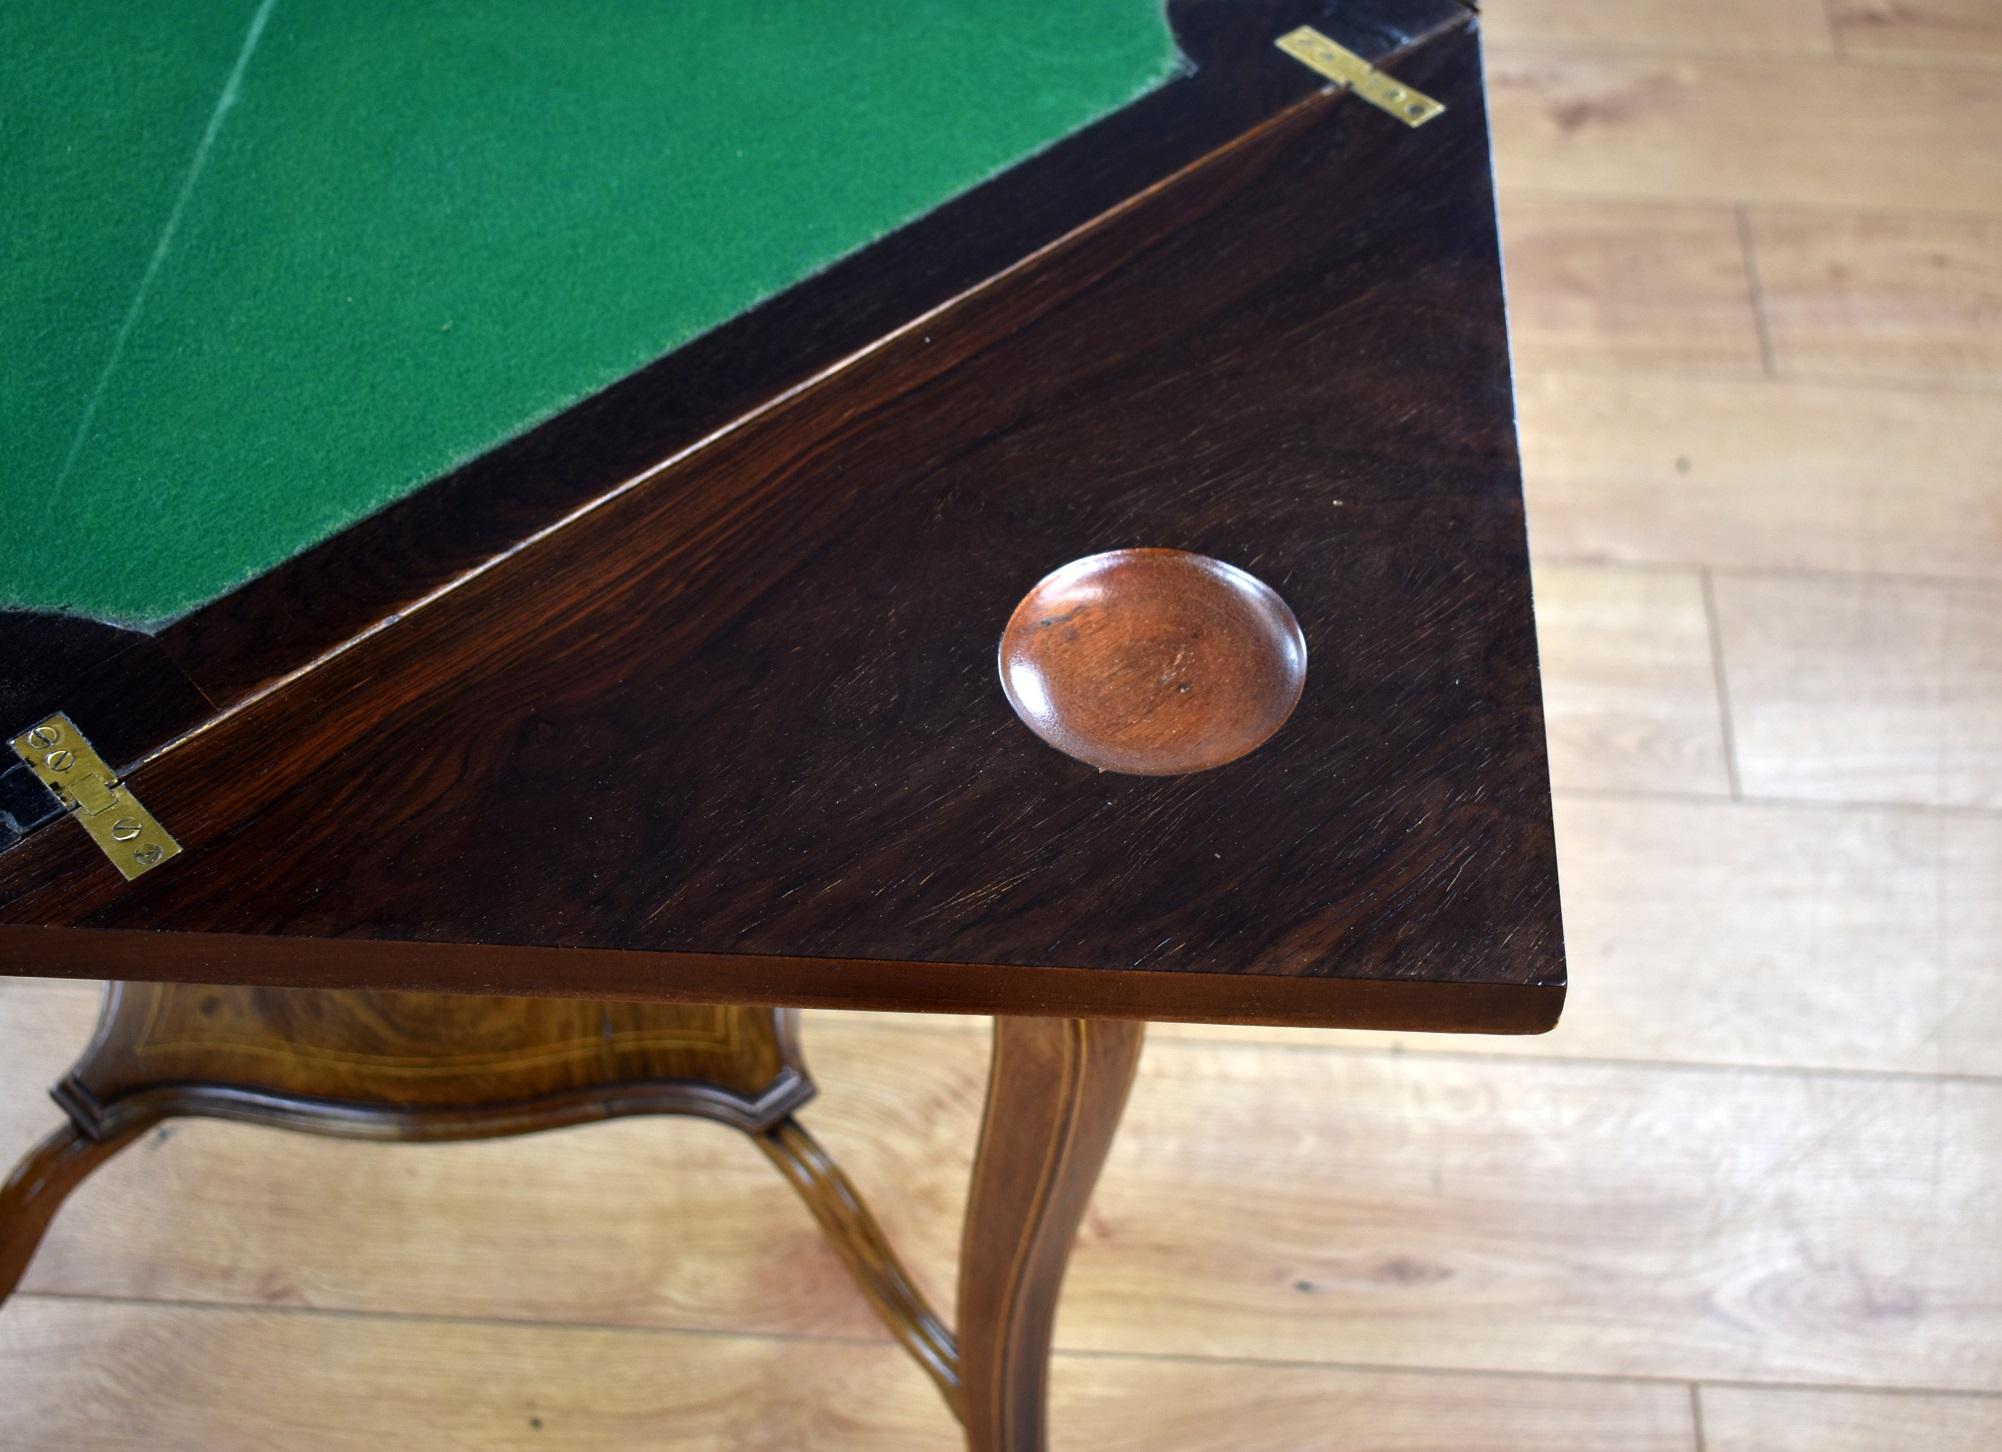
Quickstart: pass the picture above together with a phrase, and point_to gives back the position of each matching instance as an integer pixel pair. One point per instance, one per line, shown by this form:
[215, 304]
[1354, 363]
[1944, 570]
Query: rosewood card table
[1101, 597]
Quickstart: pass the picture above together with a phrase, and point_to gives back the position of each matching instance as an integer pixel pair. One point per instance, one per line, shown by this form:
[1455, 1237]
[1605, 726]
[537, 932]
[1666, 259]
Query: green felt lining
[268, 265]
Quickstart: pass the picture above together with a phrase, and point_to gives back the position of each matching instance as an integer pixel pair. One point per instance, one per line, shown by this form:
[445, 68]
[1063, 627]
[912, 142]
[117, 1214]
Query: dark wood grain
[1055, 1092]
[747, 715]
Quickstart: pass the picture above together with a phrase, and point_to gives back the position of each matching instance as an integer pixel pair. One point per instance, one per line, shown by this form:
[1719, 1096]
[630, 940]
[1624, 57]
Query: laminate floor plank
[1627, 283]
[1726, 26]
[1778, 1419]
[1872, 294]
[136, 1378]
[1958, 31]
[1857, 690]
[1769, 130]
[655, 1221]
[1629, 687]
[1377, 1209]
[1743, 933]
[1656, 468]
[1533, 1216]
[44, 1024]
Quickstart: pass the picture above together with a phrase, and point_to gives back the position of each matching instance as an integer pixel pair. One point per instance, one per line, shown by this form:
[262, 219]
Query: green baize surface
[268, 265]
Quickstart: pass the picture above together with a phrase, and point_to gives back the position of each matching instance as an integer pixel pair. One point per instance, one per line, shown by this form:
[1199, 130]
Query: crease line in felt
[227, 99]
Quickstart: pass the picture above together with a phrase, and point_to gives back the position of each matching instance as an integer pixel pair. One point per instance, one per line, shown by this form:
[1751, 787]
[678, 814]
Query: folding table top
[692, 693]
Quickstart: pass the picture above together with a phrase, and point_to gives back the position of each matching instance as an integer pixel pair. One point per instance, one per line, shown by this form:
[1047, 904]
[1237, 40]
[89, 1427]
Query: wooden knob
[1152, 661]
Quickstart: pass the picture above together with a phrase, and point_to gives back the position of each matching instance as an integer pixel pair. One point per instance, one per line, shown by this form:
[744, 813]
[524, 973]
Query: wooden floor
[1745, 1199]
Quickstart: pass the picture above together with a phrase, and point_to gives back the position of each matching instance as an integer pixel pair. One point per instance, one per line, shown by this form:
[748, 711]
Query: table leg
[1054, 1096]
[42, 1181]
[865, 1251]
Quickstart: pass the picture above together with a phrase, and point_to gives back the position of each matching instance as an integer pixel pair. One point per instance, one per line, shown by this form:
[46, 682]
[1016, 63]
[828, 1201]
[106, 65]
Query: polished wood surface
[1153, 662]
[1473, 1008]
[421, 1066]
[1055, 1093]
[770, 673]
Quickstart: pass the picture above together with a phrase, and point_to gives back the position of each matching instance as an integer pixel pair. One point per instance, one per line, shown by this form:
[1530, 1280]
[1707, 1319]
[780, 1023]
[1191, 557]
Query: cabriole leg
[1055, 1092]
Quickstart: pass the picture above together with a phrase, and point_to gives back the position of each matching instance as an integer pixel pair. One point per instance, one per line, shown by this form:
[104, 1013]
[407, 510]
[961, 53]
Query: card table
[1075, 573]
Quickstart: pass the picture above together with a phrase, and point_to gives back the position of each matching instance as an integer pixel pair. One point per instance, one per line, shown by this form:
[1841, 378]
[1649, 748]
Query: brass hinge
[1345, 68]
[67, 765]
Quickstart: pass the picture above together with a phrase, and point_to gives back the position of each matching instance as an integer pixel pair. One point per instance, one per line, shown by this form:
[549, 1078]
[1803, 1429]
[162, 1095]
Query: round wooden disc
[1153, 661]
